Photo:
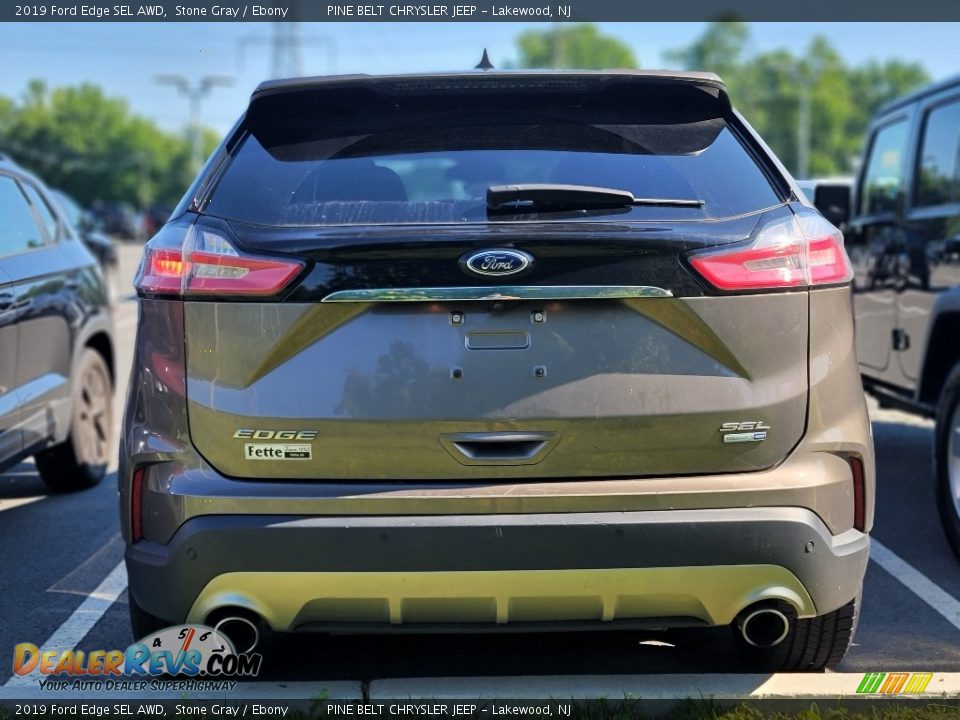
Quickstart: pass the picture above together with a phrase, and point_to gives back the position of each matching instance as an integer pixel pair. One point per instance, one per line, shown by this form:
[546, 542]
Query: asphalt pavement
[59, 578]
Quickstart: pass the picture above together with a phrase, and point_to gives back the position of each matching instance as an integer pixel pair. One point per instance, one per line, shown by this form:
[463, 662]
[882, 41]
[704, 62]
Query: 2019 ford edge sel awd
[499, 350]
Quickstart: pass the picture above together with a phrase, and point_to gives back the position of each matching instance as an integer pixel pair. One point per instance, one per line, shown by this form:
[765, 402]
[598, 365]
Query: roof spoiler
[573, 81]
[300, 102]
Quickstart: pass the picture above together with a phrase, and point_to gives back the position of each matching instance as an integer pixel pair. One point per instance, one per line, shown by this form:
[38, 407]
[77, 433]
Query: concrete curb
[794, 686]
[665, 689]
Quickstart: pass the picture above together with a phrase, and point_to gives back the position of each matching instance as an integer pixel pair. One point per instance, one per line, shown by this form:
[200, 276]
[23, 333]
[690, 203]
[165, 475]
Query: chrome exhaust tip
[763, 627]
[241, 631]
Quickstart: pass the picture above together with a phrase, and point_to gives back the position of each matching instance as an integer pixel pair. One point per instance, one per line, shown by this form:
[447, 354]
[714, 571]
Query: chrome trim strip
[501, 292]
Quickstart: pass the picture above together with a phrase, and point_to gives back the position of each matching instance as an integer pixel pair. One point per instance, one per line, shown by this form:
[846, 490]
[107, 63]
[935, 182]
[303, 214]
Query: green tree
[813, 100]
[580, 46]
[6, 115]
[789, 98]
[719, 49]
[877, 83]
[93, 147]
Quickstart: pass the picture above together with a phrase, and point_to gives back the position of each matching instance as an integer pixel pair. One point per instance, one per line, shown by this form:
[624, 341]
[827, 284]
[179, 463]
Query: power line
[285, 43]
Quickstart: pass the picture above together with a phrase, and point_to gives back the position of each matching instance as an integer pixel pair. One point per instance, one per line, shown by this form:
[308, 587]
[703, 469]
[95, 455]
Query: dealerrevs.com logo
[192, 651]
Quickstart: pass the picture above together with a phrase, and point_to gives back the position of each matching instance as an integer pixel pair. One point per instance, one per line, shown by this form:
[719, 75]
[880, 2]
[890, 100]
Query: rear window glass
[433, 164]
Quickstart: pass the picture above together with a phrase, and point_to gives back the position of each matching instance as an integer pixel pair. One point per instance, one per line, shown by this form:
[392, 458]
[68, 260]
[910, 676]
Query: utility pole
[195, 95]
[285, 43]
[803, 130]
[146, 191]
[558, 55]
[285, 50]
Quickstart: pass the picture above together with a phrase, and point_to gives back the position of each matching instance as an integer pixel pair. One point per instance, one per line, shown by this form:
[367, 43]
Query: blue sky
[124, 58]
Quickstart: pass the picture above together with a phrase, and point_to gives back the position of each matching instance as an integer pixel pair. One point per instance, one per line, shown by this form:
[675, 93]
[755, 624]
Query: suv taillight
[797, 252]
[206, 263]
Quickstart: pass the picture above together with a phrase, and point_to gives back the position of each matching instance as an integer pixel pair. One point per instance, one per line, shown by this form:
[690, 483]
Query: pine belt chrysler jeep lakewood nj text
[507, 350]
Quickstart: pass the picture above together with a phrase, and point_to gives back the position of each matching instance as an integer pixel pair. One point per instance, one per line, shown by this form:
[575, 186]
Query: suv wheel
[81, 460]
[810, 644]
[947, 459]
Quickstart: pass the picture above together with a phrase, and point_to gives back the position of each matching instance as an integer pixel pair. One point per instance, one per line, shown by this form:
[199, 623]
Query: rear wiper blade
[539, 195]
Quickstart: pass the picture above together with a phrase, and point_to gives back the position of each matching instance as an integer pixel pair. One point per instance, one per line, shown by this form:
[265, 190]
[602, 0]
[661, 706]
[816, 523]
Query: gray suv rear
[499, 350]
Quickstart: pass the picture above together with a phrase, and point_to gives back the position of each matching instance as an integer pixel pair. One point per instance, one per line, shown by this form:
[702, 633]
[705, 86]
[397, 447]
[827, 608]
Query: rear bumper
[675, 566]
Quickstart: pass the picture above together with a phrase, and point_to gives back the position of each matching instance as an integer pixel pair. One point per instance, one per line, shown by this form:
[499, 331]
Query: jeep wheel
[947, 459]
[81, 460]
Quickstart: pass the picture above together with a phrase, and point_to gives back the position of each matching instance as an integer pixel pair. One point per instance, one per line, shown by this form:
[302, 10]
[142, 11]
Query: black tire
[81, 460]
[810, 644]
[948, 493]
[142, 623]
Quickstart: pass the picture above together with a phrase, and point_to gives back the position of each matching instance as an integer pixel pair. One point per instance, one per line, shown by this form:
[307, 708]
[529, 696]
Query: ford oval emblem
[496, 263]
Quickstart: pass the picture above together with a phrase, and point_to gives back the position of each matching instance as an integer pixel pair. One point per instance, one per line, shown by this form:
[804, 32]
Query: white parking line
[18, 502]
[78, 580]
[924, 588]
[75, 627]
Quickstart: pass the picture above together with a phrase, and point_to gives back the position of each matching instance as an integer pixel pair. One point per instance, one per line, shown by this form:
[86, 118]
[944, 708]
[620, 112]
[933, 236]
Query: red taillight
[207, 264]
[859, 493]
[828, 261]
[781, 256]
[136, 505]
[752, 268]
[162, 271]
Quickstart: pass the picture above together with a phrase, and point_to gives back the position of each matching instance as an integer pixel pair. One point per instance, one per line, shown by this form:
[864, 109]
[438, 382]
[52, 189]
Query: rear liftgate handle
[499, 448]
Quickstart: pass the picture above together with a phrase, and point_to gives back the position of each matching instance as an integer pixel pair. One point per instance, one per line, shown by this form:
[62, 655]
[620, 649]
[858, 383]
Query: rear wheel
[809, 644]
[81, 460]
[947, 459]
